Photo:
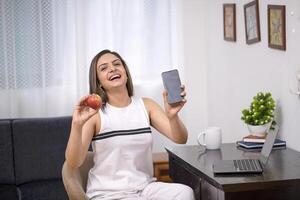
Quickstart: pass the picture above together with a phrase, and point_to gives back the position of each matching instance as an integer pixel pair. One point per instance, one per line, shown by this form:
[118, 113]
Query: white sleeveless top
[122, 152]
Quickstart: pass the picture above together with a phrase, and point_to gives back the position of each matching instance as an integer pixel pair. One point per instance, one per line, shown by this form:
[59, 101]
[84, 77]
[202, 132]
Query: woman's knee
[182, 192]
[186, 193]
[168, 191]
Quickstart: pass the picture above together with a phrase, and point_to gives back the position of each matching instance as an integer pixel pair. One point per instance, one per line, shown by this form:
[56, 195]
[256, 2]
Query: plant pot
[259, 130]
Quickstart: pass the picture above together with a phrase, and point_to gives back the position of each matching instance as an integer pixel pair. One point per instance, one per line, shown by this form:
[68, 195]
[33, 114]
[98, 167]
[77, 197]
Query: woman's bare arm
[167, 122]
[83, 128]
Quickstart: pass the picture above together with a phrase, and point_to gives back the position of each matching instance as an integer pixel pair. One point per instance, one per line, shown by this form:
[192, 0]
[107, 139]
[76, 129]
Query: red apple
[94, 101]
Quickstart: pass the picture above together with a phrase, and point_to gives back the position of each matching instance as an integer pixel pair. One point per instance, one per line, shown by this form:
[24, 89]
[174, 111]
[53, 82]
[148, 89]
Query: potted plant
[259, 117]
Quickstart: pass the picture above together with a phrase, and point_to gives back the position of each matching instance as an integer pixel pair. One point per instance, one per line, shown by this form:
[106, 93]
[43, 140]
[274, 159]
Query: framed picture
[276, 27]
[229, 22]
[252, 27]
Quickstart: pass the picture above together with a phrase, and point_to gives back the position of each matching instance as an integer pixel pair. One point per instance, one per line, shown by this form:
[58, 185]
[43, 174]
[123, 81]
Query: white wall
[222, 77]
[195, 65]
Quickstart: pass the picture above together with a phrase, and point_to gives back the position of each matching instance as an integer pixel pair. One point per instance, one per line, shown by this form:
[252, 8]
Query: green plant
[261, 110]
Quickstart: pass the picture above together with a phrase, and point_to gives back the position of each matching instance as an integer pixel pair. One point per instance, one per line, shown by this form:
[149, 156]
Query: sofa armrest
[75, 180]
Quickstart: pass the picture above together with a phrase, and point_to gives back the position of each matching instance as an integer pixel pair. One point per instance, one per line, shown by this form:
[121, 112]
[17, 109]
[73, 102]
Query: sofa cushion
[6, 154]
[43, 190]
[39, 147]
[9, 192]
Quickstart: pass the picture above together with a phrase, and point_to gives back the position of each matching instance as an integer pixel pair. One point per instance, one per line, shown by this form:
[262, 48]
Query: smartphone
[172, 84]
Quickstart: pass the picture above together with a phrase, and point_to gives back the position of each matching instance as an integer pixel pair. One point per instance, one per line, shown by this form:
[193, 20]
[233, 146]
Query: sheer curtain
[47, 46]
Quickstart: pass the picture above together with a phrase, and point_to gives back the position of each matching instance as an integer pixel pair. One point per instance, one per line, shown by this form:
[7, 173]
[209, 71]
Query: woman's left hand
[172, 109]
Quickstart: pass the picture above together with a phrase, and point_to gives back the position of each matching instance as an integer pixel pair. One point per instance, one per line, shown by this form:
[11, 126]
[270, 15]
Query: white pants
[159, 191]
[164, 191]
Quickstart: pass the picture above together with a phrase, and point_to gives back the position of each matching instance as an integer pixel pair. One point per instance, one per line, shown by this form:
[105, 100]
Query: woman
[121, 136]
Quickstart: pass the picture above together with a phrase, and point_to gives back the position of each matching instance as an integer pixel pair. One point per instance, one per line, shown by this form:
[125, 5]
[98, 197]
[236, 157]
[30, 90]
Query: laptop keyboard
[247, 165]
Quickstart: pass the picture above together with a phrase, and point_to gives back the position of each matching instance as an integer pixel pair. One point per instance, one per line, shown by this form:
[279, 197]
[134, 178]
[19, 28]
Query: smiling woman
[100, 73]
[120, 136]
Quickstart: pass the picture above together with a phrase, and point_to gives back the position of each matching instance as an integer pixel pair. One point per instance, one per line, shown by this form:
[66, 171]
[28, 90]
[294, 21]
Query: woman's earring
[101, 89]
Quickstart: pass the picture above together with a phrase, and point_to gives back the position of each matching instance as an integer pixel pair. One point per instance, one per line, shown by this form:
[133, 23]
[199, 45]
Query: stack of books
[256, 142]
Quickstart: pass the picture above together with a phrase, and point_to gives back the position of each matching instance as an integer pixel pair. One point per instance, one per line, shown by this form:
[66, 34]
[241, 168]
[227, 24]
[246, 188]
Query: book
[254, 138]
[251, 145]
[258, 149]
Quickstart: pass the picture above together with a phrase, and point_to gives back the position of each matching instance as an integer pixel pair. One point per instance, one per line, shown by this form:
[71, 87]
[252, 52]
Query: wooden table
[193, 166]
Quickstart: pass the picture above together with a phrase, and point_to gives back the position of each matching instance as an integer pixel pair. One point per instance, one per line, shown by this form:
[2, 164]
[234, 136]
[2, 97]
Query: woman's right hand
[82, 112]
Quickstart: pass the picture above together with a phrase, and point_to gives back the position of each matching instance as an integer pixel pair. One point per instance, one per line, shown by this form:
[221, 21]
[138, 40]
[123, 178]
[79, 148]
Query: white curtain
[46, 47]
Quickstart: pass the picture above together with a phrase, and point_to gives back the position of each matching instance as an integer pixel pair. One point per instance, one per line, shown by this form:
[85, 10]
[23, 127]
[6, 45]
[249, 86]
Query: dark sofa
[32, 152]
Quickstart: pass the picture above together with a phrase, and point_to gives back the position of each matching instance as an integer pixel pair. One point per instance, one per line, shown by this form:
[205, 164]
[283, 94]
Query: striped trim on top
[121, 133]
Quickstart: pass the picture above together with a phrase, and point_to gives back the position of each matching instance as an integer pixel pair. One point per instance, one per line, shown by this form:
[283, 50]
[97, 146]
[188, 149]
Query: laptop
[248, 166]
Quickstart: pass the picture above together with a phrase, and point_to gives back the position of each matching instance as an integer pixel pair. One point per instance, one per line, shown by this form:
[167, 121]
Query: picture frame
[252, 23]
[276, 27]
[229, 22]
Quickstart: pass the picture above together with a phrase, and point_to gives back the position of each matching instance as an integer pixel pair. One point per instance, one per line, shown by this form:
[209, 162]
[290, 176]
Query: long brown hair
[95, 85]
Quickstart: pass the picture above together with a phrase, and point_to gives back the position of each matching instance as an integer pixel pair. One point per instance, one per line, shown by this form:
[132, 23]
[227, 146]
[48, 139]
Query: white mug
[211, 138]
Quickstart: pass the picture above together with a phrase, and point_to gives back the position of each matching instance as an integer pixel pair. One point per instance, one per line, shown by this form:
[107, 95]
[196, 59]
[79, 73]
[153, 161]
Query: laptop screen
[268, 145]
